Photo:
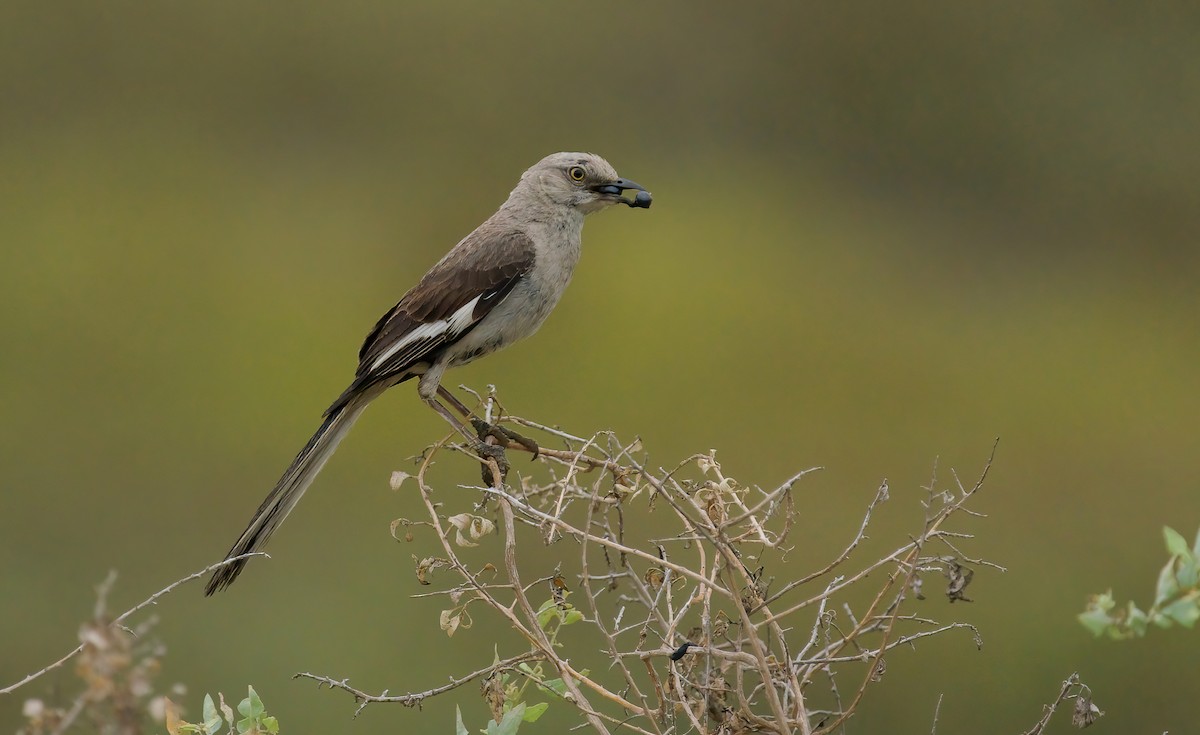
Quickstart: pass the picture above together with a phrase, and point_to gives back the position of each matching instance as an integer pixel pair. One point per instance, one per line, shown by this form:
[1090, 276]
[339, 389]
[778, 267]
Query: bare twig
[412, 699]
[694, 603]
[937, 711]
[102, 592]
[1085, 712]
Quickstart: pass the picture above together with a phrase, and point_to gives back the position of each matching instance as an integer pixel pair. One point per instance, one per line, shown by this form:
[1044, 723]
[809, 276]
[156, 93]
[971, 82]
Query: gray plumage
[496, 286]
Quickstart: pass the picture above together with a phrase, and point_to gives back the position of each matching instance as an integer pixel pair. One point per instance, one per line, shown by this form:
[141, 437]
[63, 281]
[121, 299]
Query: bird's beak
[642, 200]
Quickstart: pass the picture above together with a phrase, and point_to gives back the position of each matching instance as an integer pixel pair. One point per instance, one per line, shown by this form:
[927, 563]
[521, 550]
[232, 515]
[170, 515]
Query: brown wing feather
[482, 263]
[486, 264]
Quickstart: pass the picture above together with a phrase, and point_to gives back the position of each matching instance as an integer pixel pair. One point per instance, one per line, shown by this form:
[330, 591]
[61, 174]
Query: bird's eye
[576, 173]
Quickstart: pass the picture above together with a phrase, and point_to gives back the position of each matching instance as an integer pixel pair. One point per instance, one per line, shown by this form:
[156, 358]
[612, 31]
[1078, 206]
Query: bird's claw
[492, 451]
[504, 437]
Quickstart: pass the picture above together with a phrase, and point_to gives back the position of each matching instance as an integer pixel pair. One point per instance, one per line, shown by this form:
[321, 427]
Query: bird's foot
[504, 437]
[492, 451]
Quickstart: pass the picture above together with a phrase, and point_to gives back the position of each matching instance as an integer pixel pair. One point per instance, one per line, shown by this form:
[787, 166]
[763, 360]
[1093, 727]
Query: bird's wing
[446, 304]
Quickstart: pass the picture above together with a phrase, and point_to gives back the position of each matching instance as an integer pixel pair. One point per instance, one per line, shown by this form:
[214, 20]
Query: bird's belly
[518, 316]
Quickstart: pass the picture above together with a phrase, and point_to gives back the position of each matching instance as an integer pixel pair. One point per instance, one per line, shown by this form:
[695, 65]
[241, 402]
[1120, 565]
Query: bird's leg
[478, 444]
[453, 400]
[504, 436]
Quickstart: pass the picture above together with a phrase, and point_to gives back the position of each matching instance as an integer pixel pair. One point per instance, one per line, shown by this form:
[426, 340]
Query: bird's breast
[531, 300]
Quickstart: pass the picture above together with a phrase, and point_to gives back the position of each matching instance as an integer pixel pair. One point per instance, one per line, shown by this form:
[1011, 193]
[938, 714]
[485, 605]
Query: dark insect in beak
[641, 200]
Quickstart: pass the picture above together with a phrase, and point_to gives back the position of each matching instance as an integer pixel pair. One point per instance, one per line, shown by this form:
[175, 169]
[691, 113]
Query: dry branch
[694, 638]
[118, 622]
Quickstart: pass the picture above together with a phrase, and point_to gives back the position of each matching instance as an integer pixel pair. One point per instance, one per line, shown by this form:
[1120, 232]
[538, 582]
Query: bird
[495, 287]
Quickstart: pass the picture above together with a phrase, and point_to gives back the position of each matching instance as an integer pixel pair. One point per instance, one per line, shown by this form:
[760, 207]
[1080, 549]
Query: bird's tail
[291, 487]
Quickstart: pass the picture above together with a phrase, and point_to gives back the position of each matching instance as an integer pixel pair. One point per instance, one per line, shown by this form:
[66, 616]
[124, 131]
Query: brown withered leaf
[1086, 712]
[879, 670]
[474, 526]
[174, 722]
[959, 577]
[449, 621]
[426, 566]
[492, 689]
[559, 590]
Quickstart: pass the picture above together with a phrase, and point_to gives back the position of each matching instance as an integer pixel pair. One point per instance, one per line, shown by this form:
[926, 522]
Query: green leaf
[271, 725]
[1185, 612]
[256, 705]
[572, 616]
[1137, 620]
[459, 727]
[556, 686]
[509, 723]
[1167, 587]
[212, 718]
[1188, 574]
[1176, 544]
[252, 706]
[1095, 620]
[1196, 546]
[533, 713]
[547, 612]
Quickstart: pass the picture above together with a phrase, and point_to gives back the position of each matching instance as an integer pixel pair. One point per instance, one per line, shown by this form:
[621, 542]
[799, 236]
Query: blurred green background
[883, 233]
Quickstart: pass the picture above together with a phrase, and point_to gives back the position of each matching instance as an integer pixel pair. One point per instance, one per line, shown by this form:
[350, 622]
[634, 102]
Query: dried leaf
[916, 585]
[559, 590]
[879, 670]
[226, 710]
[172, 716]
[720, 625]
[715, 510]
[397, 479]
[959, 577]
[1086, 712]
[448, 621]
[427, 565]
[493, 693]
[481, 527]
[473, 525]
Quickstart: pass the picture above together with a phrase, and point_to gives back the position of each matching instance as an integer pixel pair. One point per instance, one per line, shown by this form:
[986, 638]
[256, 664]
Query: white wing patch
[456, 324]
[462, 318]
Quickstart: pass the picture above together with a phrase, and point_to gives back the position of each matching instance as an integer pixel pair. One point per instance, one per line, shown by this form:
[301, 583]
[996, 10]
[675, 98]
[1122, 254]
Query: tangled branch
[694, 637]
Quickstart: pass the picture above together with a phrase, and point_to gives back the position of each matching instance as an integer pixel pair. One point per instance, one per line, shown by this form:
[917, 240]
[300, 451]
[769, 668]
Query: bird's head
[583, 181]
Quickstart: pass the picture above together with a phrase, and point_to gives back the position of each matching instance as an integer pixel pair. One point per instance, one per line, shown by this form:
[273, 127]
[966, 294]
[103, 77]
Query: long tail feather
[290, 488]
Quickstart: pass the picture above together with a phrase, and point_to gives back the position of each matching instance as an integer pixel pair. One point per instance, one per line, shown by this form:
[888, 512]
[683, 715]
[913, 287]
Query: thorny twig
[412, 699]
[693, 603]
[118, 622]
[1085, 713]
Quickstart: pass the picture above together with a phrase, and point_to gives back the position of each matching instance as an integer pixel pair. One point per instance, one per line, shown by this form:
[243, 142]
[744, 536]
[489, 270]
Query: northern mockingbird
[496, 286]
